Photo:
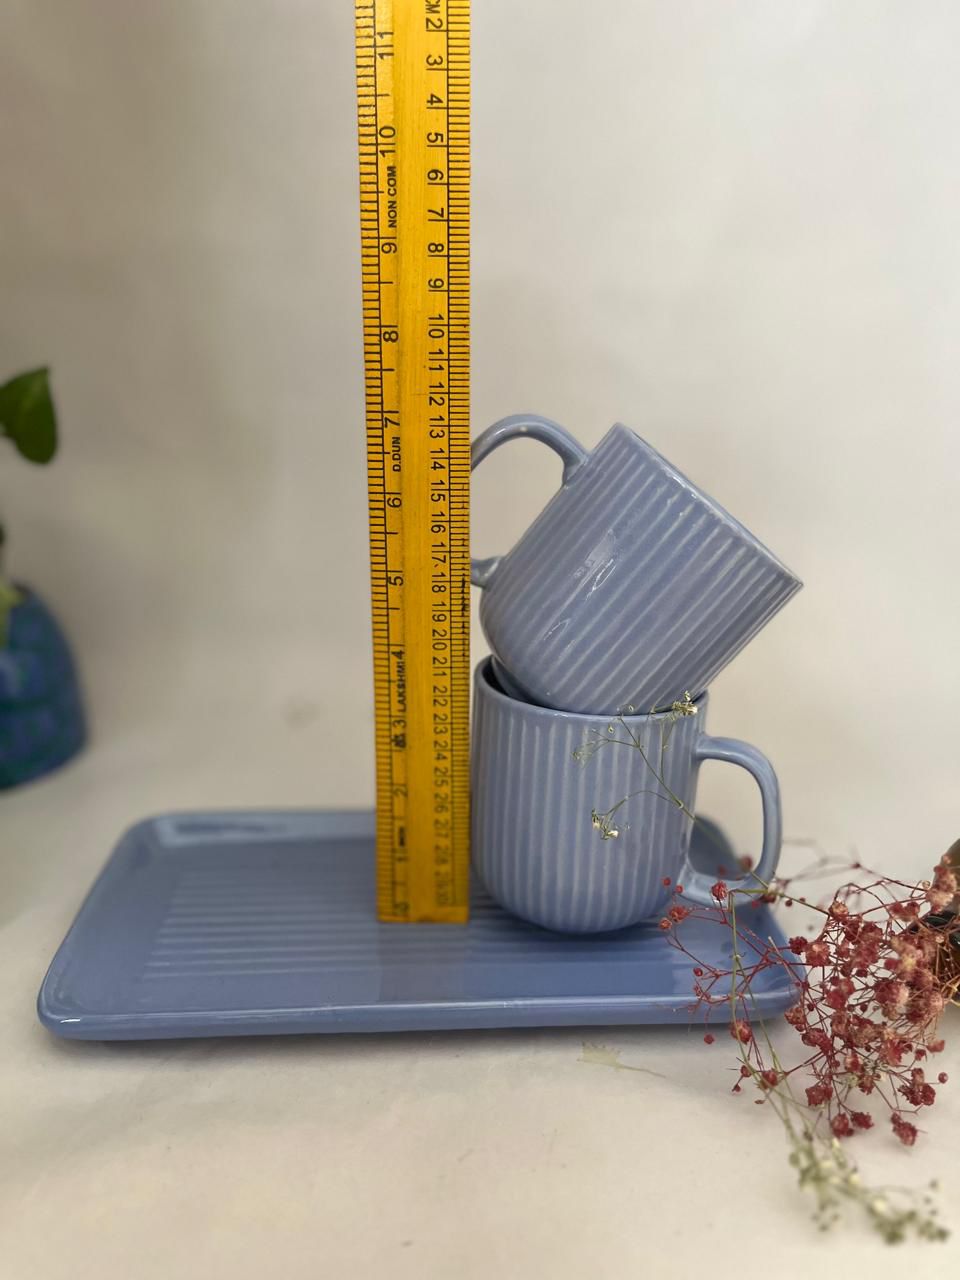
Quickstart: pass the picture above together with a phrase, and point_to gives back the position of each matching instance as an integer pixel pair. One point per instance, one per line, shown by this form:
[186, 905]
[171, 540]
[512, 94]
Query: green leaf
[28, 417]
[9, 596]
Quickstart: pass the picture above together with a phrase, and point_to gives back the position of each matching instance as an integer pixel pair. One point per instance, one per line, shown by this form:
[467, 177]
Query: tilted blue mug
[632, 586]
[577, 820]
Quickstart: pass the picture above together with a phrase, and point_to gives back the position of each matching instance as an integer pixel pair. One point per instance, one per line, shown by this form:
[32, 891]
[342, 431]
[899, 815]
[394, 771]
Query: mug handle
[531, 425]
[697, 884]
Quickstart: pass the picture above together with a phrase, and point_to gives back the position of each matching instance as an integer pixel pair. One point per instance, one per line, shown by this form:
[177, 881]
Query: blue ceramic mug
[547, 793]
[630, 588]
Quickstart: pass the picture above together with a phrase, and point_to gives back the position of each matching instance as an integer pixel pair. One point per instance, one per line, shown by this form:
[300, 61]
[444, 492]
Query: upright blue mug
[540, 816]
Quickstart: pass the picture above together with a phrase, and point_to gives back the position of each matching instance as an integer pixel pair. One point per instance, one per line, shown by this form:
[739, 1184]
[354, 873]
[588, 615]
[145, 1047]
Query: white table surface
[464, 1154]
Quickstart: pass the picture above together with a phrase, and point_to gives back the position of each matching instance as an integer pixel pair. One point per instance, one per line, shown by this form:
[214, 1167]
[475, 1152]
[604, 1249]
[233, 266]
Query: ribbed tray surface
[264, 923]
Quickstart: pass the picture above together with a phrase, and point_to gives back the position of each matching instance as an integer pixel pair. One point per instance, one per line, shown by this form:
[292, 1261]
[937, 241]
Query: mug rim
[736, 526]
[484, 676]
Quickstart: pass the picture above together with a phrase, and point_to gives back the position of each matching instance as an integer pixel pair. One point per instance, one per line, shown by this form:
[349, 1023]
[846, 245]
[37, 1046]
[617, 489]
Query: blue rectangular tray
[263, 923]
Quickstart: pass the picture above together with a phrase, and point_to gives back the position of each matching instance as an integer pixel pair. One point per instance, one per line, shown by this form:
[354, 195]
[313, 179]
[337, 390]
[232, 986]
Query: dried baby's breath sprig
[872, 983]
[871, 990]
[601, 823]
[618, 733]
[588, 749]
[684, 706]
[825, 1170]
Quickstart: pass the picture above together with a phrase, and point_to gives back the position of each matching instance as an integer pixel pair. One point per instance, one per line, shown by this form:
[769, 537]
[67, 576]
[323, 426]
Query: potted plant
[42, 723]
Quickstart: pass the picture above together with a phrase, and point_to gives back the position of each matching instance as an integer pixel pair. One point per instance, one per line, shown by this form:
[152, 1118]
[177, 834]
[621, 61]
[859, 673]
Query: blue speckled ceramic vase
[42, 722]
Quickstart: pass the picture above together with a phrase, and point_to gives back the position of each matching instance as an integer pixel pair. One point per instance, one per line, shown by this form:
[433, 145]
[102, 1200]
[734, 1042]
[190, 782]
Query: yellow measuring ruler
[413, 90]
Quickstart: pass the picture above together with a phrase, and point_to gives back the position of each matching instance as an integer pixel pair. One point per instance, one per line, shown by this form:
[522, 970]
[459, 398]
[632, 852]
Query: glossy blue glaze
[42, 722]
[630, 588]
[534, 845]
[227, 924]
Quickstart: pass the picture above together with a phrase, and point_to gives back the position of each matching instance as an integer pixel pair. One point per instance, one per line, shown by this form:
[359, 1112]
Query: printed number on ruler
[413, 86]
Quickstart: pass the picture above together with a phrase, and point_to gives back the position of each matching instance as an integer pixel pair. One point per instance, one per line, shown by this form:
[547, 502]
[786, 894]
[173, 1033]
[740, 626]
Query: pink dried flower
[891, 996]
[818, 1094]
[926, 1007]
[891, 1052]
[817, 1038]
[944, 888]
[871, 987]
[917, 1091]
[840, 1126]
[903, 910]
[817, 953]
[838, 993]
[905, 1131]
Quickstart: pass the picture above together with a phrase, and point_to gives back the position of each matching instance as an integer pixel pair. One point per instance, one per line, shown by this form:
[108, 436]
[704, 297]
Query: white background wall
[732, 225]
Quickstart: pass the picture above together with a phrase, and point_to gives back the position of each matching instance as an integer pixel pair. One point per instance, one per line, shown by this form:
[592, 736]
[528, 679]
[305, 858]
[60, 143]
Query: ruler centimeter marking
[413, 97]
